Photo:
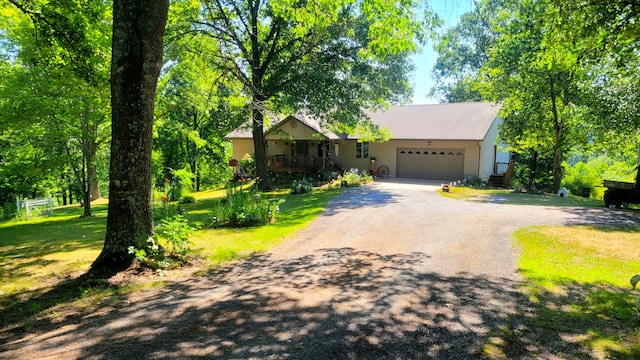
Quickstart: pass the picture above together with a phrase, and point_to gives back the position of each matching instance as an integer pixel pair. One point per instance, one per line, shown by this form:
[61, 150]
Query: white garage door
[436, 164]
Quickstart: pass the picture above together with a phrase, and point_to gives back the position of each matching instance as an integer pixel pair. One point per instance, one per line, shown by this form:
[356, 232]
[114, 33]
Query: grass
[578, 298]
[504, 196]
[42, 259]
[578, 295]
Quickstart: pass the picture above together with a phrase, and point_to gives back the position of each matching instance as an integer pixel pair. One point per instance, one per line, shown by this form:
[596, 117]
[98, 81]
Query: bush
[243, 208]
[152, 256]
[301, 187]
[354, 179]
[8, 211]
[181, 185]
[473, 181]
[187, 200]
[163, 208]
[171, 247]
[175, 232]
[248, 163]
[580, 177]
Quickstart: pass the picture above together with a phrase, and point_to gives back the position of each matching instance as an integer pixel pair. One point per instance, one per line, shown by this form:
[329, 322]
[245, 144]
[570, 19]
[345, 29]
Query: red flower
[164, 198]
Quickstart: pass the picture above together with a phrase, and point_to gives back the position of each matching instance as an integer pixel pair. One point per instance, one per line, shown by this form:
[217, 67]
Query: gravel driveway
[391, 270]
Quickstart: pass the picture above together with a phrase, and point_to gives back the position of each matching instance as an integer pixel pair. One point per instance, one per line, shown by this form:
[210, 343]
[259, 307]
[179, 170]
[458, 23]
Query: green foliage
[248, 163]
[580, 176]
[243, 208]
[590, 173]
[301, 187]
[354, 56]
[170, 249]
[8, 211]
[152, 256]
[473, 181]
[181, 185]
[354, 179]
[175, 232]
[462, 50]
[187, 200]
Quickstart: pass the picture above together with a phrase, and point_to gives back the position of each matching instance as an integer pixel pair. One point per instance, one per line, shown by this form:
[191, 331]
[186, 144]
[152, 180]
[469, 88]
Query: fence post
[17, 207]
[26, 203]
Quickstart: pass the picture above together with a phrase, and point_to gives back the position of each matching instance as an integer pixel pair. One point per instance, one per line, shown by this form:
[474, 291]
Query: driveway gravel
[390, 270]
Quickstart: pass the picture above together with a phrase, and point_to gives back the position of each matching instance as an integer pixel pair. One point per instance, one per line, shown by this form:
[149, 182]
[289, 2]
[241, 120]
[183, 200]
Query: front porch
[284, 163]
[298, 155]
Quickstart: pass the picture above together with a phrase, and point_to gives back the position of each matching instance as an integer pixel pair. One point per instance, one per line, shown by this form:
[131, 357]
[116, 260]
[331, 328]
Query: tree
[535, 70]
[462, 51]
[331, 58]
[197, 107]
[609, 33]
[47, 87]
[138, 30]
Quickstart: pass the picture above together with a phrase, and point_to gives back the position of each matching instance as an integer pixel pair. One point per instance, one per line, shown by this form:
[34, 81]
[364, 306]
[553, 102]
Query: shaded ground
[389, 271]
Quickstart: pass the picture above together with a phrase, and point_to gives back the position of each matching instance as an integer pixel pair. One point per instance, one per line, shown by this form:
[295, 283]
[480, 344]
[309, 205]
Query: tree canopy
[331, 58]
[556, 67]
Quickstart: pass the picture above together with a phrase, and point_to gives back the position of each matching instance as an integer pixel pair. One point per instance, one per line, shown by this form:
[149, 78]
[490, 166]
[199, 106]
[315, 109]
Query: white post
[26, 203]
[17, 207]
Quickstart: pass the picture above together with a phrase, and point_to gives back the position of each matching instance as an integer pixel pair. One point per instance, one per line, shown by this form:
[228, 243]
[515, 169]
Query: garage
[436, 164]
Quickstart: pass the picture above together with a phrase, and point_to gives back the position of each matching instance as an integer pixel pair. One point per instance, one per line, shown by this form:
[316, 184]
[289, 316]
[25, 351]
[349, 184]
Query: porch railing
[293, 163]
[501, 168]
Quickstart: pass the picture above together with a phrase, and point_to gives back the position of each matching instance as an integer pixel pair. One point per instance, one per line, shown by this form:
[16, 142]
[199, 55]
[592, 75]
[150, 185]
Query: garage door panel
[440, 164]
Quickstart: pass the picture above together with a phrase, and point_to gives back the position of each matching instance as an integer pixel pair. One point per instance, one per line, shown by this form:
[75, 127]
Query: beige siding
[278, 147]
[242, 147]
[386, 153]
[292, 129]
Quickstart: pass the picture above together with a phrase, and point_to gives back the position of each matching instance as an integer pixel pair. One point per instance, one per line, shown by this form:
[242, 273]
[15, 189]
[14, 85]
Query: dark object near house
[621, 194]
[585, 192]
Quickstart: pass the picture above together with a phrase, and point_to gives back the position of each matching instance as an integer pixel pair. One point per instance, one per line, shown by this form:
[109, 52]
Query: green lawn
[577, 295]
[41, 258]
[578, 299]
[504, 196]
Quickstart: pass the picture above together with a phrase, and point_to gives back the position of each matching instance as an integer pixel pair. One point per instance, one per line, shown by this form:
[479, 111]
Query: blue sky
[450, 11]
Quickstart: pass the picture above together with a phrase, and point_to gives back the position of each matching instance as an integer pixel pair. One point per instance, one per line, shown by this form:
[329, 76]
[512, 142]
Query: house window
[362, 150]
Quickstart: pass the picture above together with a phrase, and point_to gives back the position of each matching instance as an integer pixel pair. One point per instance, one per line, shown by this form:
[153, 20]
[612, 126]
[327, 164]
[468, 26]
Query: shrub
[353, 178]
[171, 247]
[152, 256]
[243, 208]
[175, 232]
[301, 187]
[187, 200]
[248, 163]
[579, 177]
[181, 185]
[473, 181]
[163, 208]
[8, 210]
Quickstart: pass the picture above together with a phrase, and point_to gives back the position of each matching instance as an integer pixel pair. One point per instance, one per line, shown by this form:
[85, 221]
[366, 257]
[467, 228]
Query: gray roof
[457, 121]
[310, 121]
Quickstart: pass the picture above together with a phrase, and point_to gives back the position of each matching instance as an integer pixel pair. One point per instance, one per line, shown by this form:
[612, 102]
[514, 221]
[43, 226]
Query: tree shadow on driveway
[337, 303]
[359, 197]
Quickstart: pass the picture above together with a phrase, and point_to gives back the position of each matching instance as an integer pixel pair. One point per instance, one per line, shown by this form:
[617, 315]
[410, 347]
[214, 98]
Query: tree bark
[259, 145]
[138, 30]
[558, 133]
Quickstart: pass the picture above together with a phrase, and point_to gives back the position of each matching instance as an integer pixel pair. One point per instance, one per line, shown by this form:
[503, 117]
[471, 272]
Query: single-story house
[437, 141]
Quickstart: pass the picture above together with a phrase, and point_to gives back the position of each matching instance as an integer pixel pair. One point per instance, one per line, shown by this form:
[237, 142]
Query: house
[437, 141]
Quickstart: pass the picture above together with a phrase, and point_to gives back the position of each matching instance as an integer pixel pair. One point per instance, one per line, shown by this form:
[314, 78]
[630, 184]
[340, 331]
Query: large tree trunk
[138, 30]
[260, 148]
[558, 133]
[92, 170]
